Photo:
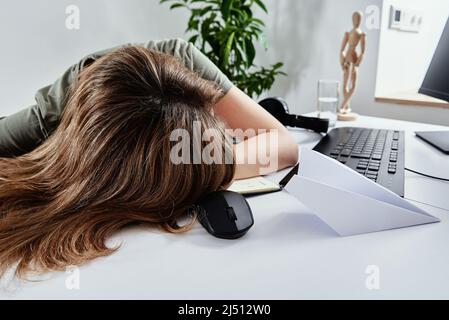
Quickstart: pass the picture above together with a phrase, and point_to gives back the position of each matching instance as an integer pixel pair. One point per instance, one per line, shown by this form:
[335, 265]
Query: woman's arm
[240, 112]
[276, 149]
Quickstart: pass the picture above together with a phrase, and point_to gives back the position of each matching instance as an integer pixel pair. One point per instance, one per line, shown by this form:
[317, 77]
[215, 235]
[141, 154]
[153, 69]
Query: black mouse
[225, 214]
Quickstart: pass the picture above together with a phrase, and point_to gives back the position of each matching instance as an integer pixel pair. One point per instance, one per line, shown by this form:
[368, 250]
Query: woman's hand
[267, 145]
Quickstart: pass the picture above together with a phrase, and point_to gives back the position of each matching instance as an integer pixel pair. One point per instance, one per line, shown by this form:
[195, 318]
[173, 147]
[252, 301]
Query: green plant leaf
[193, 38]
[177, 5]
[222, 29]
[250, 52]
[257, 21]
[242, 15]
[227, 50]
[192, 24]
[226, 8]
[261, 5]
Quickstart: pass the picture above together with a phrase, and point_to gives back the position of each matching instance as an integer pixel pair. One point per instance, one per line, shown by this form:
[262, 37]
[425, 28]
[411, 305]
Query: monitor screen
[436, 82]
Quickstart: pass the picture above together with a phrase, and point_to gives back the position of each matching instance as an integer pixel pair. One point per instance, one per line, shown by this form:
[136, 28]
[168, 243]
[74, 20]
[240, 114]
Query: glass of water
[328, 99]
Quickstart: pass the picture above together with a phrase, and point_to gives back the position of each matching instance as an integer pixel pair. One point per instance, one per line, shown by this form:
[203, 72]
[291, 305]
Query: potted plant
[226, 32]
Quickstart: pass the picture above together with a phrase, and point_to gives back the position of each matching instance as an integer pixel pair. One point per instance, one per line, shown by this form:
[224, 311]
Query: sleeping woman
[93, 154]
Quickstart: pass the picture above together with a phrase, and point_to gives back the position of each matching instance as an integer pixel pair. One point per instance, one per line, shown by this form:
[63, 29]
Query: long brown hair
[107, 165]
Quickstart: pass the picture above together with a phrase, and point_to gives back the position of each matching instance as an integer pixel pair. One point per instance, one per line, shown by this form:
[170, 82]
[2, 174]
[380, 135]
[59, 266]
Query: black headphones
[278, 108]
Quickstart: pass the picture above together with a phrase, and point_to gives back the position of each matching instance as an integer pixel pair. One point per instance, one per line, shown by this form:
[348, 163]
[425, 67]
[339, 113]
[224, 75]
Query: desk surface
[289, 254]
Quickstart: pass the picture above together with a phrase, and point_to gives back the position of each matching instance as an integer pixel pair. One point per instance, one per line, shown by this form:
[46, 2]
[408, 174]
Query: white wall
[306, 34]
[404, 57]
[36, 47]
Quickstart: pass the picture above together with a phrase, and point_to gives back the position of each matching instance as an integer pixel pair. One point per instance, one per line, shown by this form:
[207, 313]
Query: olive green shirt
[25, 130]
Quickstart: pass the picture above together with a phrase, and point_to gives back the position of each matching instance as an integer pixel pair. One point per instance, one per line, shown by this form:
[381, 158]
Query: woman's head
[108, 163]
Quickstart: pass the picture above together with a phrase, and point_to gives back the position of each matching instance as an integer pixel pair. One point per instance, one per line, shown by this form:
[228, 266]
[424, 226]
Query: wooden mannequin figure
[350, 61]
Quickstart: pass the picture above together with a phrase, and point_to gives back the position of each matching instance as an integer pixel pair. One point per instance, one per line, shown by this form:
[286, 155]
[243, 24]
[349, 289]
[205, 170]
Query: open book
[260, 185]
[254, 186]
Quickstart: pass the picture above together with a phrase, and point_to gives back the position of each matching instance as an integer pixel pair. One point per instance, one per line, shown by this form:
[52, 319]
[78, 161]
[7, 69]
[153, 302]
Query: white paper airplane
[349, 202]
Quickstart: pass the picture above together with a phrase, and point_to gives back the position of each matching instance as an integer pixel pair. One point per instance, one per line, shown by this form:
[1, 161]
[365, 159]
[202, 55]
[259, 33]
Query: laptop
[438, 139]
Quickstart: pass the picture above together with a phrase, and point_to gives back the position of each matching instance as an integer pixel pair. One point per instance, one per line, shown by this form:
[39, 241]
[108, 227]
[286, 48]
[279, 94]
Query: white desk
[289, 253]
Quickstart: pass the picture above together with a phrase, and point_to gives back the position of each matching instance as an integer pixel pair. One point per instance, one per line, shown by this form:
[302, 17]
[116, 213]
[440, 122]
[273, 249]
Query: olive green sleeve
[20, 132]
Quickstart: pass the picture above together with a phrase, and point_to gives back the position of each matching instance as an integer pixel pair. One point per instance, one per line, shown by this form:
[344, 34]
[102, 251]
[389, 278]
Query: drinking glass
[328, 100]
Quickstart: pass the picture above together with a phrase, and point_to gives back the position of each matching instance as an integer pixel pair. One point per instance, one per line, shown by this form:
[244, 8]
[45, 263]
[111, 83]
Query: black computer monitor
[436, 82]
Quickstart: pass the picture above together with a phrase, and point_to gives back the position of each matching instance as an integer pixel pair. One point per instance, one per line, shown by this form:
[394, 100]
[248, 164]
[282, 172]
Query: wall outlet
[405, 19]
